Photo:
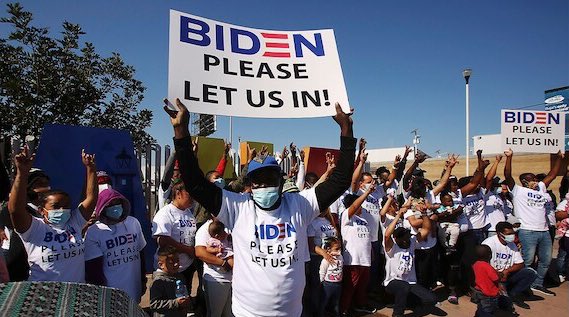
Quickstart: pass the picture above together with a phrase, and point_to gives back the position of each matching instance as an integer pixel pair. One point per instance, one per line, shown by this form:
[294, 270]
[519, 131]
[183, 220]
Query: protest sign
[223, 69]
[533, 131]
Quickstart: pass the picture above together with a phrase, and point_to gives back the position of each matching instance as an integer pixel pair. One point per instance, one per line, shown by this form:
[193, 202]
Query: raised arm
[419, 158]
[204, 192]
[339, 180]
[358, 171]
[21, 219]
[87, 206]
[330, 166]
[425, 230]
[385, 207]
[476, 178]
[168, 172]
[387, 241]
[393, 173]
[452, 161]
[223, 160]
[492, 172]
[508, 169]
[359, 201]
[554, 170]
[402, 164]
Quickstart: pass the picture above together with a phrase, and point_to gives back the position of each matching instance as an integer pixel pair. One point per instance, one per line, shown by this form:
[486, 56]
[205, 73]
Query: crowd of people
[294, 244]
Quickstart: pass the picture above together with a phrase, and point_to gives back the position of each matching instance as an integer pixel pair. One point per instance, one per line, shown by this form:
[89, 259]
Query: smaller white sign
[533, 131]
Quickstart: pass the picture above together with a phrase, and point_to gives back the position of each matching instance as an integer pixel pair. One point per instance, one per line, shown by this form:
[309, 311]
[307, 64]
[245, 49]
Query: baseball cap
[258, 163]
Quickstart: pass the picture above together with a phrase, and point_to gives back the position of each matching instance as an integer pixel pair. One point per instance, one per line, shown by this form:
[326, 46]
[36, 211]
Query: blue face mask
[219, 182]
[58, 217]
[114, 212]
[509, 238]
[266, 197]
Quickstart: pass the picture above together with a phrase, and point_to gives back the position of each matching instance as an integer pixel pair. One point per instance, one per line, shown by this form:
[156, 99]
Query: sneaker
[453, 299]
[542, 290]
[365, 309]
[520, 303]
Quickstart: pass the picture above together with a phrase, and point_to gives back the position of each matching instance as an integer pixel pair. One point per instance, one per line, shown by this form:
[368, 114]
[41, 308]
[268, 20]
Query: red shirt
[486, 278]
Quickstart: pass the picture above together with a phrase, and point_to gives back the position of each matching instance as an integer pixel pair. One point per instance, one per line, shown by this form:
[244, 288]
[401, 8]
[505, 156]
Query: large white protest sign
[533, 131]
[223, 69]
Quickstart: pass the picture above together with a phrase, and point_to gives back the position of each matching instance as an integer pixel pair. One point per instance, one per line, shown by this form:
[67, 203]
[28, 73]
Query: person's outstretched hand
[180, 118]
[344, 120]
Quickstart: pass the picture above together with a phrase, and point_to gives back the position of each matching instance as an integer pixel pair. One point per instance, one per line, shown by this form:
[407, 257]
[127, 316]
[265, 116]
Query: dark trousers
[312, 288]
[487, 305]
[376, 255]
[331, 294]
[426, 266]
[354, 283]
[459, 263]
[520, 281]
[401, 291]
[196, 266]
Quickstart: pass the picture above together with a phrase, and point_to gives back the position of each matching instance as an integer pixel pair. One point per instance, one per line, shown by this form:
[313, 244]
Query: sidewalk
[542, 306]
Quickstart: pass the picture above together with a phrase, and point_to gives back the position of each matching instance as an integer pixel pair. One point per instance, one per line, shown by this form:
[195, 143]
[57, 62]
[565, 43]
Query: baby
[448, 231]
[219, 243]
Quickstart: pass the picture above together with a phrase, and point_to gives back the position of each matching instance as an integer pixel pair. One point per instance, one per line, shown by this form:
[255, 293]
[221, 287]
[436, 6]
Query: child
[163, 298]
[218, 244]
[114, 264]
[331, 277]
[487, 283]
[448, 231]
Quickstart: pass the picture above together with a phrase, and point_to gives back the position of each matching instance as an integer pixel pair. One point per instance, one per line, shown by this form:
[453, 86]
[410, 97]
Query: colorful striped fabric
[64, 299]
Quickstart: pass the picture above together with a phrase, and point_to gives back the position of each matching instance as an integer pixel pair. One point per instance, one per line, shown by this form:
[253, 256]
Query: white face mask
[266, 197]
[366, 187]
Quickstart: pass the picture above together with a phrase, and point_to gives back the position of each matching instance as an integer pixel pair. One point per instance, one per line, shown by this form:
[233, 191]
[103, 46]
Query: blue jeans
[331, 293]
[520, 281]
[536, 242]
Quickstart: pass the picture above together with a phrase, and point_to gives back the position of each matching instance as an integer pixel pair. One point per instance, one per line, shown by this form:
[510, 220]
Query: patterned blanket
[64, 299]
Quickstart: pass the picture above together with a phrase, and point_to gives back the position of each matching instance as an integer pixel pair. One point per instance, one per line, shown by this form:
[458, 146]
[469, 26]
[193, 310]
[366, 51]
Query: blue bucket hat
[268, 162]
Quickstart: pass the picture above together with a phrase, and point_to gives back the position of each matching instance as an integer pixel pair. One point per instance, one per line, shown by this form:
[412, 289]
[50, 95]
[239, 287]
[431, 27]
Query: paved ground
[542, 306]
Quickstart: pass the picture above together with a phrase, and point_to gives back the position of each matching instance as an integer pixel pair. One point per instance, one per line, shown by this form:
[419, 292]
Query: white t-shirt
[379, 192]
[529, 208]
[268, 276]
[562, 205]
[332, 272]
[178, 224]
[474, 210]
[320, 229]
[431, 240]
[372, 205]
[119, 245]
[56, 254]
[356, 238]
[212, 272]
[400, 263]
[503, 256]
[496, 210]
[549, 207]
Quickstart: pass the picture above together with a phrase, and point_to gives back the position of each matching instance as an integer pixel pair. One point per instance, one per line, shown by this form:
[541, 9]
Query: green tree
[63, 80]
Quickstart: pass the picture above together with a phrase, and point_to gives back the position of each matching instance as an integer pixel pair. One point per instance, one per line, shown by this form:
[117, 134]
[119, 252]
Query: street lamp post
[466, 74]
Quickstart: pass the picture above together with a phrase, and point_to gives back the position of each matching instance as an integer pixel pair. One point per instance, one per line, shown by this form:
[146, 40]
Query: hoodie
[106, 196]
[163, 295]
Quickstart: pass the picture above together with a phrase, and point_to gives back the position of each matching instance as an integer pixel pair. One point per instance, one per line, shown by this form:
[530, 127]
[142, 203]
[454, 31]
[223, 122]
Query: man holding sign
[269, 228]
[529, 207]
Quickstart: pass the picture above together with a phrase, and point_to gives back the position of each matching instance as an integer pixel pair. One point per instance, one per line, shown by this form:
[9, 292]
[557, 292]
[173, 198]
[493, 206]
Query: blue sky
[402, 60]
